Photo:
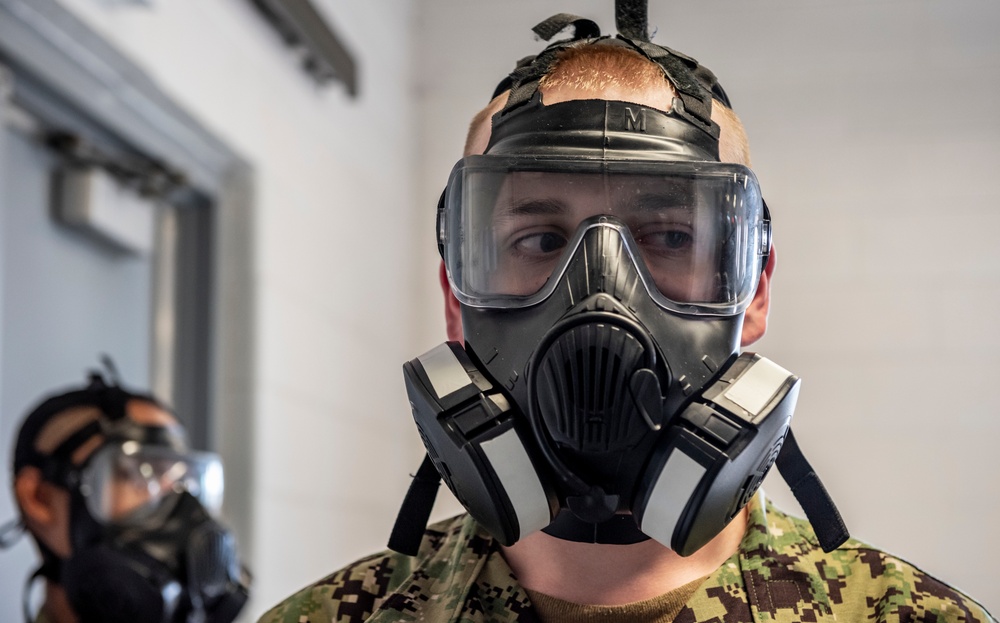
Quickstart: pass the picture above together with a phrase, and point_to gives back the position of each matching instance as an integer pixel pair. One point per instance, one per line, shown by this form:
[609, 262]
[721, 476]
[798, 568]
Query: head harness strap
[524, 79]
[57, 467]
[631, 19]
[695, 85]
[680, 70]
[583, 28]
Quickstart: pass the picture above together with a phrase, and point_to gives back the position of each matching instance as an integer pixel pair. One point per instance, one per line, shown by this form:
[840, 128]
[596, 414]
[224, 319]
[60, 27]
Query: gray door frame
[43, 40]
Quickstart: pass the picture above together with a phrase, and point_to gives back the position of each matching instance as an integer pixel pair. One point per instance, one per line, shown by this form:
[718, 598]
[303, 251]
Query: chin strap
[416, 510]
[808, 489]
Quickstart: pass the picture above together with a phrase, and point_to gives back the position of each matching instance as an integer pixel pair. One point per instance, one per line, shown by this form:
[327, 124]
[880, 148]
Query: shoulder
[349, 595]
[896, 589]
[388, 581]
[862, 582]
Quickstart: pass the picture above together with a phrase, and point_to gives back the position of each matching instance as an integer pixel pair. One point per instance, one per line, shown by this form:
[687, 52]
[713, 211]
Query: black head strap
[416, 510]
[583, 28]
[57, 467]
[808, 489]
[524, 79]
[680, 70]
[707, 78]
[695, 85]
[508, 80]
[109, 398]
[631, 19]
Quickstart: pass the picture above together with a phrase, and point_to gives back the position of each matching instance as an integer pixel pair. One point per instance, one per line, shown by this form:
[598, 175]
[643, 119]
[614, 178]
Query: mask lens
[694, 228]
[127, 481]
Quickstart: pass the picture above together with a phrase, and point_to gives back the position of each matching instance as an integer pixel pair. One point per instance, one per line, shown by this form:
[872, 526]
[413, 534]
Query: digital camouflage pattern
[779, 574]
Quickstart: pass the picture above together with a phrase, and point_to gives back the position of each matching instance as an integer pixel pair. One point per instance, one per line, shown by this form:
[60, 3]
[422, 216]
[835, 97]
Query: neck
[611, 575]
[56, 606]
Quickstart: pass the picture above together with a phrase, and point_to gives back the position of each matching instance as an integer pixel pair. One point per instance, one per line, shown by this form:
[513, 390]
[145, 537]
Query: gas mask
[145, 541]
[146, 545]
[604, 258]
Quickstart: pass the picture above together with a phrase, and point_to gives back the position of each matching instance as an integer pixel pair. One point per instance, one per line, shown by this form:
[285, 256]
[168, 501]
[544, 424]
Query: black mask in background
[179, 565]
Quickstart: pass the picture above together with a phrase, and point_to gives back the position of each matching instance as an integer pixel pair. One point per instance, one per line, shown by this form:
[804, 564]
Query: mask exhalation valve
[584, 381]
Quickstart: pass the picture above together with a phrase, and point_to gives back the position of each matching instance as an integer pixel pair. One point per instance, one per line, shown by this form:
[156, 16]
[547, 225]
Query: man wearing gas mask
[606, 254]
[123, 513]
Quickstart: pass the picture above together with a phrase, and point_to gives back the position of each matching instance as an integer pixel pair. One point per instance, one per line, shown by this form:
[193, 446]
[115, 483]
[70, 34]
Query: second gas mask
[146, 542]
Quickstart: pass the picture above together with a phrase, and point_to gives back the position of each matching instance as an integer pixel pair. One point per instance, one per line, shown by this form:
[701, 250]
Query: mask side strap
[415, 510]
[11, 532]
[26, 595]
[812, 495]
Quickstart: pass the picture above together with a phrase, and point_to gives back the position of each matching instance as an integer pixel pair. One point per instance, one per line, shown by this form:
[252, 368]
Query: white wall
[333, 185]
[873, 131]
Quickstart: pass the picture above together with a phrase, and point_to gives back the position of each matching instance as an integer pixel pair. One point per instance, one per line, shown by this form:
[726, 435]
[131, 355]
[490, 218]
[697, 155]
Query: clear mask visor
[696, 229]
[125, 482]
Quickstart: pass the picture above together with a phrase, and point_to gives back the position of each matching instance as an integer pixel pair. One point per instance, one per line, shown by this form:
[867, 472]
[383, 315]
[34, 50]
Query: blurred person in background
[122, 512]
[606, 255]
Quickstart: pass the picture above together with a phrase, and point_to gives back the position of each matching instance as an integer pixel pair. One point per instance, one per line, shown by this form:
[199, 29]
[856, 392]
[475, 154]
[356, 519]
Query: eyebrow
[650, 202]
[530, 207]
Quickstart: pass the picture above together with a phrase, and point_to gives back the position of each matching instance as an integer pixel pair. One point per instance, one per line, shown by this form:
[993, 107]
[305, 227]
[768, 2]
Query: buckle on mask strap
[812, 495]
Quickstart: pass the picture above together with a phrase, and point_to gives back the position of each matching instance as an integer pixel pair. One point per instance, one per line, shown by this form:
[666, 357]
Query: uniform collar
[776, 563]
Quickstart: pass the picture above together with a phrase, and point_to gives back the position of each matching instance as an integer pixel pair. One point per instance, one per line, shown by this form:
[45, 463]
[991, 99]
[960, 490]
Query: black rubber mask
[178, 565]
[167, 559]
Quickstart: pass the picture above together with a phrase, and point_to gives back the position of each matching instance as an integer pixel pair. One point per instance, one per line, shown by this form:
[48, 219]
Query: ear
[36, 499]
[452, 309]
[755, 318]
[44, 509]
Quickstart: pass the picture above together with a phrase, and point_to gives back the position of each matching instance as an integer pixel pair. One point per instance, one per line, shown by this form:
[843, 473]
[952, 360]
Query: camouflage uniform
[779, 574]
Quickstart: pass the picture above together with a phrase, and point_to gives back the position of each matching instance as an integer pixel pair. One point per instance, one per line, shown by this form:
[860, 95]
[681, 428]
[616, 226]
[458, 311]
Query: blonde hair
[591, 68]
[600, 67]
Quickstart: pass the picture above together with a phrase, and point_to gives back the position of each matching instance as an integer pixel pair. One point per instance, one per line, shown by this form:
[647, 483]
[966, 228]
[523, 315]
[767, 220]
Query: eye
[539, 243]
[667, 240]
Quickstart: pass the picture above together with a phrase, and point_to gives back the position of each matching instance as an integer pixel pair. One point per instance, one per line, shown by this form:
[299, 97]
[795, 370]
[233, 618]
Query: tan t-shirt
[660, 609]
